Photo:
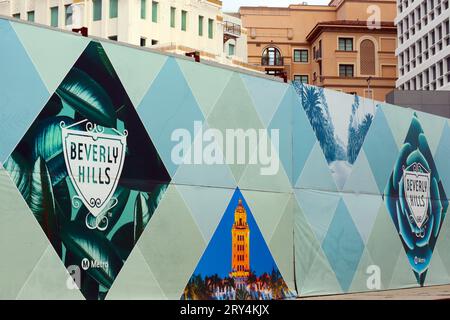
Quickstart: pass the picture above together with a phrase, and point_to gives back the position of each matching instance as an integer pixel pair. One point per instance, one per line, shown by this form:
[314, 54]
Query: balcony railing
[317, 54]
[232, 28]
[271, 61]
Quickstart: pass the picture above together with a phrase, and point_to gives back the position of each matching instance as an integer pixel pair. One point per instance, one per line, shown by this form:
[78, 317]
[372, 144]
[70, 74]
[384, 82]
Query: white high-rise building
[423, 44]
[178, 26]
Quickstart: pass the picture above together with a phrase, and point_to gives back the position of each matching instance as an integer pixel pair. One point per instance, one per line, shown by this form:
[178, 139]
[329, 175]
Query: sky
[233, 5]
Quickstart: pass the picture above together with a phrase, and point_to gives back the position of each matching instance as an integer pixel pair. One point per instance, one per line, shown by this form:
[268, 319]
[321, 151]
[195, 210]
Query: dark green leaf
[19, 172]
[155, 197]
[42, 203]
[94, 246]
[52, 108]
[105, 61]
[63, 202]
[123, 240]
[141, 215]
[87, 97]
[143, 168]
[144, 208]
[47, 144]
[89, 287]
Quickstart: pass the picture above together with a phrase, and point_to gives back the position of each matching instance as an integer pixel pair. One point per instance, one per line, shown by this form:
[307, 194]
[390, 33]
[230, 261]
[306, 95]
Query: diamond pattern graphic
[208, 212]
[52, 53]
[343, 246]
[319, 220]
[205, 92]
[136, 69]
[382, 236]
[69, 165]
[172, 250]
[339, 203]
[380, 138]
[167, 106]
[416, 199]
[234, 111]
[28, 238]
[441, 157]
[363, 209]
[266, 96]
[213, 174]
[282, 128]
[18, 110]
[136, 277]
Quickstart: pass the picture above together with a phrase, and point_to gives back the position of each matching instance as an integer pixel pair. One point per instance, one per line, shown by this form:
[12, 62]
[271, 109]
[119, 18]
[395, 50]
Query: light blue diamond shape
[441, 157]
[379, 138]
[169, 105]
[343, 246]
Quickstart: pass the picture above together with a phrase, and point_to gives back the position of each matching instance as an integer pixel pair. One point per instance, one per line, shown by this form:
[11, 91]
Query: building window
[183, 20]
[210, 28]
[172, 17]
[346, 70]
[68, 14]
[113, 8]
[303, 78]
[16, 15]
[154, 42]
[113, 38]
[367, 57]
[143, 42]
[30, 16]
[300, 55]
[200, 26]
[345, 44]
[54, 16]
[143, 9]
[155, 11]
[97, 10]
[231, 49]
[271, 57]
[368, 93]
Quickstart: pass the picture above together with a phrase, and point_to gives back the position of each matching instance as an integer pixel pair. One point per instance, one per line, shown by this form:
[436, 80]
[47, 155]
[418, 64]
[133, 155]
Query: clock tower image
[240, 247]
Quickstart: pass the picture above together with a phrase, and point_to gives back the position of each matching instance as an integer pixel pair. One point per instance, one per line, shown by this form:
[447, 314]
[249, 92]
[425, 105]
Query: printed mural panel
[340, 127]
[237, 263]
[89, 172]
[416, 199]
[92, 169]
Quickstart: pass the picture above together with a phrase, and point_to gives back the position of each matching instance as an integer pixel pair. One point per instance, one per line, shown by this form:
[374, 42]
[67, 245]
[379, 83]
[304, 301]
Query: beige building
[178, 26]
[347, 45]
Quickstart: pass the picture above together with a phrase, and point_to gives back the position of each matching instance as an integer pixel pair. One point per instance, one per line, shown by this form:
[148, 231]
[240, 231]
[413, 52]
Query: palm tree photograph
[237, 264]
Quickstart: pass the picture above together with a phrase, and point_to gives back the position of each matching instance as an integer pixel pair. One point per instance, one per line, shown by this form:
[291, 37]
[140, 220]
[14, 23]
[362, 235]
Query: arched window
[271, 57]
[367, 57]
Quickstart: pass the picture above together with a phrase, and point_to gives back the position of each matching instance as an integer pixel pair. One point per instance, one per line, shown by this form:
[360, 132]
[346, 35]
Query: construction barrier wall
[129, 174]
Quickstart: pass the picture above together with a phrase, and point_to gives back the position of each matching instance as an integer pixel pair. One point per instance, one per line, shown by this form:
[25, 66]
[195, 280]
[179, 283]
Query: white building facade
[423, 44]
[178, 26]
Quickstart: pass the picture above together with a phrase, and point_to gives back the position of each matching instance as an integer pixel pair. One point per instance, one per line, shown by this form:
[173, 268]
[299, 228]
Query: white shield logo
[94, 161]
[416, 182]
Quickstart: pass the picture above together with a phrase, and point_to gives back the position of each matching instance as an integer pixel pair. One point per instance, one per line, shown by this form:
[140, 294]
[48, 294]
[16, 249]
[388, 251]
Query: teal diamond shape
[343, 246]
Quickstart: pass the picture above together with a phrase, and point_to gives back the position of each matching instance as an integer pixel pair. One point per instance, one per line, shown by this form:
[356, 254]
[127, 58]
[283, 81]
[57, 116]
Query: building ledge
[385, 26]
[216, 2]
